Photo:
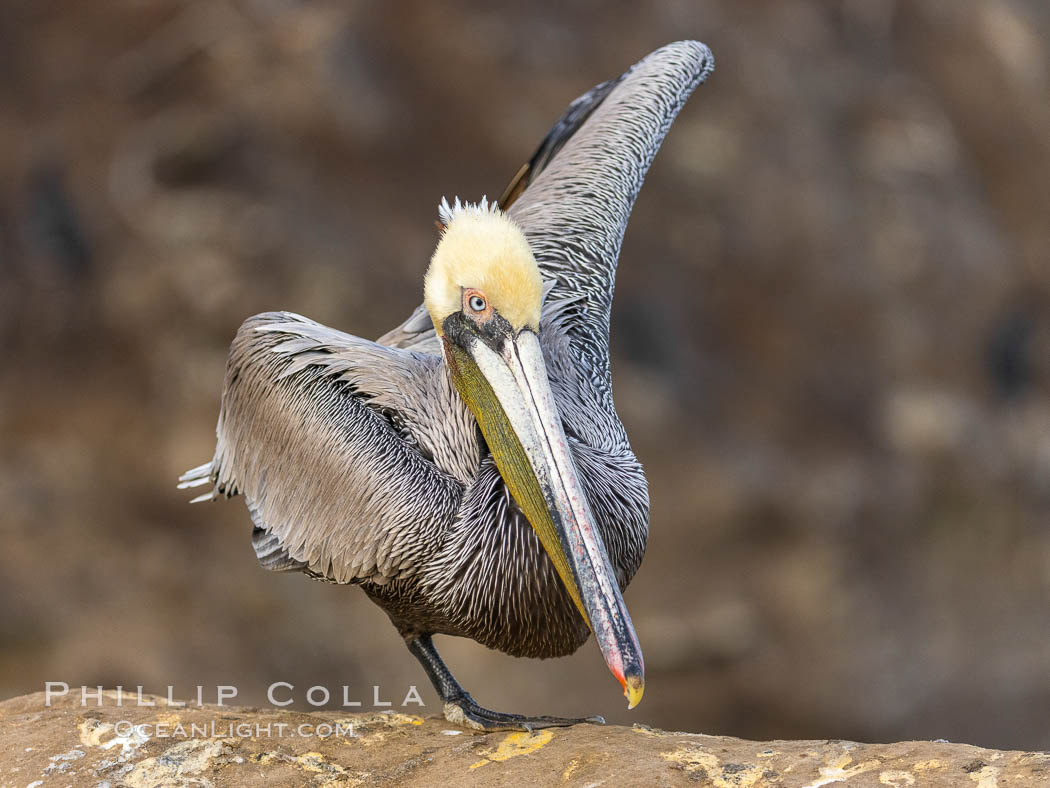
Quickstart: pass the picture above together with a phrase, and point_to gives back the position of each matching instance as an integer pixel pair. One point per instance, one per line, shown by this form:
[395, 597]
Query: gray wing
[574, 196]
[575, 211]
[330, 439]
[567, 125]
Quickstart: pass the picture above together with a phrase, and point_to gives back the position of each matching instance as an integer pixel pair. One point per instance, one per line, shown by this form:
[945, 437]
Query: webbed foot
[467, 713]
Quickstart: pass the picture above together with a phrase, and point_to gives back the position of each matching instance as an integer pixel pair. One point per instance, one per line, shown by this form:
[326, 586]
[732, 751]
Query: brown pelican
[468, 470]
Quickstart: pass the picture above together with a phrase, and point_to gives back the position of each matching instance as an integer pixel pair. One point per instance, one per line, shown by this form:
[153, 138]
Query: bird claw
[469, 714]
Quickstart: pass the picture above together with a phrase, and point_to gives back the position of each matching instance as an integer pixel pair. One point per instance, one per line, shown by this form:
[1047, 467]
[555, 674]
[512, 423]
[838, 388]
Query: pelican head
[483, 253]
[484, 294]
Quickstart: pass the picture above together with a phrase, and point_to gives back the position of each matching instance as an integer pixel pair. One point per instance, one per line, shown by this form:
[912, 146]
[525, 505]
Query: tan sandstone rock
[67, 744]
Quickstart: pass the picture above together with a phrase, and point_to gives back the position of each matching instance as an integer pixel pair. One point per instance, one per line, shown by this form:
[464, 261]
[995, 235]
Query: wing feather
[320, 432]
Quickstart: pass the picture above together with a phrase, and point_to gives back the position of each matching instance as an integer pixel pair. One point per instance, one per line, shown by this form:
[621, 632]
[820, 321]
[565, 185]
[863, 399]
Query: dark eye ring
[477, 303]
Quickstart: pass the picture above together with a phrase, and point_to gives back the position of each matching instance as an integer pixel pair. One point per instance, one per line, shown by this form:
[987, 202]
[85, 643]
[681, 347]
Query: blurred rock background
[831, 338]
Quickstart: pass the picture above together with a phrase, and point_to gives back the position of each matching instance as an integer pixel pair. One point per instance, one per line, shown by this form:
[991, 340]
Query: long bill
[510, 396]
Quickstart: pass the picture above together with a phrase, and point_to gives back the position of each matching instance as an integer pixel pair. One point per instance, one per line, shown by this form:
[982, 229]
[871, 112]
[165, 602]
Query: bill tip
[633, 687]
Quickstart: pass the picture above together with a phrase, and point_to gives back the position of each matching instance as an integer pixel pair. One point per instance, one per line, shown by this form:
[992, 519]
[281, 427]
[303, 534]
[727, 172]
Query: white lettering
[346, 698]
[412, 697]
[49, 690]
[270, 695]
[375, 698]
[85, 693]
[143, 702]
[310, 696]
[171, 701]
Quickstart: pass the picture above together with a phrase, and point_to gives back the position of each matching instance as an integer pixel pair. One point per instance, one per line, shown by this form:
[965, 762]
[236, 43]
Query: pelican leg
[461, 709]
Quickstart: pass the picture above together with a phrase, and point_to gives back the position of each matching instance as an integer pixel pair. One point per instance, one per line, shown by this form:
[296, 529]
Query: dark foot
[469, 714]
[460, 708]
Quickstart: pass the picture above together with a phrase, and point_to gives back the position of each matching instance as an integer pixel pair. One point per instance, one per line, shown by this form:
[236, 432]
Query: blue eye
[477, 303]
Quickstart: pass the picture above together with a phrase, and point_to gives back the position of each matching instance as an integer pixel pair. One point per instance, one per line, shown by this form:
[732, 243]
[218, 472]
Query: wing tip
[697, 52]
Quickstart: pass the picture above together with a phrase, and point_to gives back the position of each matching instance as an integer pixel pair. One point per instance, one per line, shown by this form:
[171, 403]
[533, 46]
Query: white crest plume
[446, 212]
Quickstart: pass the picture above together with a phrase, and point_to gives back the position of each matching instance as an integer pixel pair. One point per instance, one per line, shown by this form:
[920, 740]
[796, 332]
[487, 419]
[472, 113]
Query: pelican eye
[477, 303]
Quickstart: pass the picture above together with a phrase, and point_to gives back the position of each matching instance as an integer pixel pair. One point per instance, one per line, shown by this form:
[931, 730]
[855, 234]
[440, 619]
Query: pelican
[468, 470]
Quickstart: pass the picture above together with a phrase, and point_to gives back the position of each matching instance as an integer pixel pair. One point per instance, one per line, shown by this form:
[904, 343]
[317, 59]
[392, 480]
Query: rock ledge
[67, 744]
